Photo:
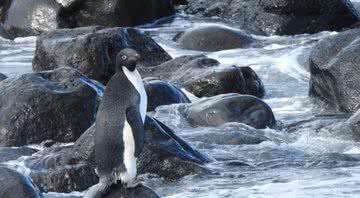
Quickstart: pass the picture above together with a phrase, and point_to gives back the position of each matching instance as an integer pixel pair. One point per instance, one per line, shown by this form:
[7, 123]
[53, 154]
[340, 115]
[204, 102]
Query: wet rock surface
[242, 80]
[32, 17]
[176, 68]
[92, 50]
[57, 169]
[213, 38]
[279, 16]
[334, 71]
[4, 34]
[35, 107]
[15, 185]
[3, 77]
[201, 76]
[160, 92]
[221, 109]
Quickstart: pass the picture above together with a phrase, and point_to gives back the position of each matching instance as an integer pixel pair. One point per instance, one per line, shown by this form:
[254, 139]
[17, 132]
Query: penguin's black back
[119, 95]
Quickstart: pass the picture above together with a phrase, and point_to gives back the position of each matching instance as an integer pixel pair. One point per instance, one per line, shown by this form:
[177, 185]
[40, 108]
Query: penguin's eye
[123, 57]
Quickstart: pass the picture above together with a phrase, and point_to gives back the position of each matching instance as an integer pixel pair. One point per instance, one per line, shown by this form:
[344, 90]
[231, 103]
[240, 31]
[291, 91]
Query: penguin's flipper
[133, 117]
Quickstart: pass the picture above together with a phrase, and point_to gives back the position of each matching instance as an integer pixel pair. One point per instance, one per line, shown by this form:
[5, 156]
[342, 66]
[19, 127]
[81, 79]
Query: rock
[32, 17]
[57, 169]
[199, 75]
[121, 13]
[179, 2]
[4, 34]
[214, 38]
[347, 129]
[280, 17]
[221, 109]
[15, 185]
[164, 154]
[35, 107]
[163, 93]
[2, 77]
[92, 50]
[174, 69]
[8, 153]
[335, 76]
[242, 80]
[139, 191]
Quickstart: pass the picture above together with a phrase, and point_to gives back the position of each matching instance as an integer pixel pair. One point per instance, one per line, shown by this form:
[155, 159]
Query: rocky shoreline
[74, 59]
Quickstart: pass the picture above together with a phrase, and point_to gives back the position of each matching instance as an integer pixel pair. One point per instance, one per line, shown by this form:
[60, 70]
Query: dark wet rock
[57, 169]
[335, 76]
[221, 109]
[160, 92]
[281, 17]
[179, 2]
[15, 185]
[164, 154]
[228, 134]
[242, 80]
[214, 38]
[175, 67]
[92, 50]
[3, 77]
[139, 191]
[199, 75]
[35, 107]
[32, 17]
[8, 153]
[4, 33]
[121, 13]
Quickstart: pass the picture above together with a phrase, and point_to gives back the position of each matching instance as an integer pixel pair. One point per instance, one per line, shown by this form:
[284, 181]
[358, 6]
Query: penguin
[120, 135]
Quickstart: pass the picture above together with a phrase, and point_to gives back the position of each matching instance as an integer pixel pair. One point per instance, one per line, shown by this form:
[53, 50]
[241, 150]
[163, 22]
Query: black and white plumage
[120, 134]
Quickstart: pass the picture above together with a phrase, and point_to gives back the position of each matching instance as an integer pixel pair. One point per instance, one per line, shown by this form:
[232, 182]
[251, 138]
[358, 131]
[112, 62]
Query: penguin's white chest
[135, 79]
[129, 155]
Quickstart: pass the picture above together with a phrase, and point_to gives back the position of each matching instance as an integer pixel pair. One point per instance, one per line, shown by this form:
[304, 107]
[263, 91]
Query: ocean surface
[304, 162]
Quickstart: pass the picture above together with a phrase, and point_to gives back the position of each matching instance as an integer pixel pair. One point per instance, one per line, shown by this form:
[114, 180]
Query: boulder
[140, 191]
[121, 13]
[179, 2]
[281, 17]
[32, 17]
[9, 153]
[92, 50]
[35, 107]
[2, 77]
[57, 169]
[160, 92]
[15, 185]
[242, 80]
[4, 34]
[213, 38]
[201, 76]
[164, 154]
[221, 109]
[335, 76]
[173, 69]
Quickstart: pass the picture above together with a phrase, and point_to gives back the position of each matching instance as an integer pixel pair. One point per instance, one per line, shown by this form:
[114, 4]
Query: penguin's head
[127, 58]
